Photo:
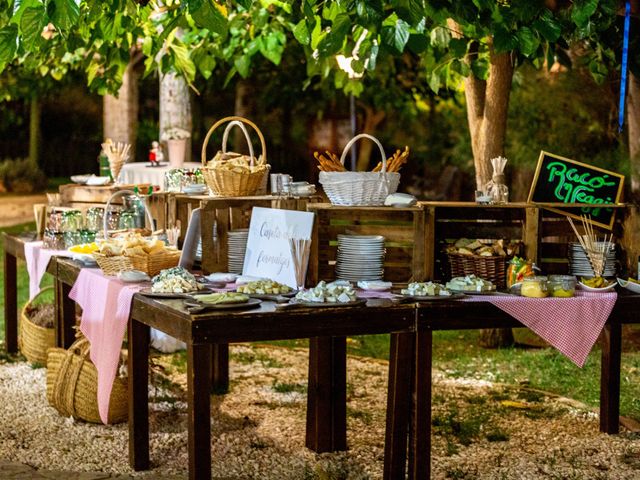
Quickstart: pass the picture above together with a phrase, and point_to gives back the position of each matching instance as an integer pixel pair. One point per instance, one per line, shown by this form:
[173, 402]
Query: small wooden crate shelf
[221, 214]
[403, 229]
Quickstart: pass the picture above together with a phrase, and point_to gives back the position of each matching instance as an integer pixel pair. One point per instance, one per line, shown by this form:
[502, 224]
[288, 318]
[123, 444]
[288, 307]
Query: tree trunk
[633, 120]
[244, 107]
[34, 130]
[120, 113]
[372, 120]
[487, 109]
[175, 107]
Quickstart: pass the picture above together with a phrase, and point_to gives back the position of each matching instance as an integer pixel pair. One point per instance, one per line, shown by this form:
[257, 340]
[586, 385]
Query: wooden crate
[221, 214]
[403, 229]
[448, 221]
[545, 234]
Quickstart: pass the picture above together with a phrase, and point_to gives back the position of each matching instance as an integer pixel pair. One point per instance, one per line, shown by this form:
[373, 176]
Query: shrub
[21, 176]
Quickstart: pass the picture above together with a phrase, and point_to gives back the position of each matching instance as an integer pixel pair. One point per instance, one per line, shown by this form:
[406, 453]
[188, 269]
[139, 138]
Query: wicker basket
[487, 268]
[72, 385]
[149, 264]
[360, 188]
[226, 183]
[34, 340]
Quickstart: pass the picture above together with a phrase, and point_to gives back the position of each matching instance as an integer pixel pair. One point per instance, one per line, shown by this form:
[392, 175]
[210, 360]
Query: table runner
[106, 304]
[37, 261]
[572, 325]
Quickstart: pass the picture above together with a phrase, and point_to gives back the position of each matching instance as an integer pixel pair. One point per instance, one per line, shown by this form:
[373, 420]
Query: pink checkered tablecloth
[106, 304]
[572, 325]
[38, 259]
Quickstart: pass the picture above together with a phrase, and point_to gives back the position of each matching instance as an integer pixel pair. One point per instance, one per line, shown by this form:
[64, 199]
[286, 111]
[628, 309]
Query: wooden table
[436, 316]
[65, 307]
[326, 408]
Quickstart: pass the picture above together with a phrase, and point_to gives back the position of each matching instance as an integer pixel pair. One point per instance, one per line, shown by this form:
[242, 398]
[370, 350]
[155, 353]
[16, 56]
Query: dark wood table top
[14, 243]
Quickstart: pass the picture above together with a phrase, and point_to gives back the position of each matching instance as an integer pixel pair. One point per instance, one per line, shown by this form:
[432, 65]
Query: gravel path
[480, 430]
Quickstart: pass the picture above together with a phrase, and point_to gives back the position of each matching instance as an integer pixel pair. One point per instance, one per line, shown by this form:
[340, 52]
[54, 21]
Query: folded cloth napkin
[572, 325]
[37, 261]
[106, 304]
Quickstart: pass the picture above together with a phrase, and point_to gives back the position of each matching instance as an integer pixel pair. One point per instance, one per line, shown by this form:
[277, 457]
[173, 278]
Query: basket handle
[261, 160]
[225, 137]
[31, 300]
[374, 140]
[105, 223]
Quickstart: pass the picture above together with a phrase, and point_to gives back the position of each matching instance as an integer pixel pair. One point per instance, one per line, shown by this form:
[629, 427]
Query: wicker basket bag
[34, 340]
[493, 268]
[360, 188]
[150, 264]
[72, 385]
[227, 182]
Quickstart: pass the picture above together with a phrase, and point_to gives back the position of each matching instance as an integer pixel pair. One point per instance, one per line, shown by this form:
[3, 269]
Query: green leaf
[64, 14]
[183, 62]
[8, 44]
[272, 46]
[434, 81]
[147, 45]
[20, 6]
[396, 36]
[548, 26]
[316, 33]
[527, 40]
[373, 57]
[412, 11]
[206, 15]
[440, 37]
[504, 40]
[32, 22]
[204, 62]
[242, 65]
[582, 10]
[301, 32]
[333, 41]
[369, 12]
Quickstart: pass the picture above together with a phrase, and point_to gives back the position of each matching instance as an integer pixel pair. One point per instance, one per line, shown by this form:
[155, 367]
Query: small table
[65, 307]
[477, 315]
[326, 407]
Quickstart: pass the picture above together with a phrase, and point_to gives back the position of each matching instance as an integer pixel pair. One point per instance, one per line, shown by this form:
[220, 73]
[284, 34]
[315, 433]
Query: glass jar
[94, 219]
[72, 221]
[72, 238]
[127, 220]
[54, 222]
[534, 287]
[135, 204]
[53, 240]
[173, 180]
[562, 286]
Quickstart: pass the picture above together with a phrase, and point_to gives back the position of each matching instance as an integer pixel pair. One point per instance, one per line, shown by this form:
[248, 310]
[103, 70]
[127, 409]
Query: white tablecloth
[140, 172]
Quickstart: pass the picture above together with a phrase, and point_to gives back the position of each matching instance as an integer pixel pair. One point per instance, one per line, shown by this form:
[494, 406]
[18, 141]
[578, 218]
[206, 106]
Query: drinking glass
[72, 221]
[127, 220]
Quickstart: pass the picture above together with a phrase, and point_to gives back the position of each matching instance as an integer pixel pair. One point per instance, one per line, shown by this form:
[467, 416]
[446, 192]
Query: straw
[300, 254]
[596, 251]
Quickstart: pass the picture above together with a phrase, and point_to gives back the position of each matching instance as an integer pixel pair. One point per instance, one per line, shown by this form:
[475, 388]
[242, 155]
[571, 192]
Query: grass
[457, 353]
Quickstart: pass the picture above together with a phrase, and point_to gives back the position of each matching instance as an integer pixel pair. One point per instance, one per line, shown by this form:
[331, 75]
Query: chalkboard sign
[561, 180]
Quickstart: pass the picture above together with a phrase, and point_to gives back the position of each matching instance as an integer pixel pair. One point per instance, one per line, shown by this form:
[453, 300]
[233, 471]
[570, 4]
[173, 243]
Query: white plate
[85, 258]
[133, 276]
[95, 181]
[634, 287]
[591, 289]
[81, 179]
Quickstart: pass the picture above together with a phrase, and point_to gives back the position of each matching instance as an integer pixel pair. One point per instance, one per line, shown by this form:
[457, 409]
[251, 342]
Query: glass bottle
[497, 190]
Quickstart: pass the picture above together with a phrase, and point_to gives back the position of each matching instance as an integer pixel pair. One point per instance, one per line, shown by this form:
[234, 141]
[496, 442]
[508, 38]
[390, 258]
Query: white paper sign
[268, 251]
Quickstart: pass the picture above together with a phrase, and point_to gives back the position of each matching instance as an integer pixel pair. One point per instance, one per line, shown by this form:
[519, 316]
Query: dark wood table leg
[199, 421]
[65, 316]
[220, 368]
[138, 367]
[398, 405]
[10, 303]
[420, 431]
[610, 378]
[327, 395]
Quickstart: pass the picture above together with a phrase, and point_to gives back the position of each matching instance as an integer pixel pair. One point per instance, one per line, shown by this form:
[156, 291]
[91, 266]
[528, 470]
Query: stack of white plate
[236, 247]
[579, 262]
[360, 257]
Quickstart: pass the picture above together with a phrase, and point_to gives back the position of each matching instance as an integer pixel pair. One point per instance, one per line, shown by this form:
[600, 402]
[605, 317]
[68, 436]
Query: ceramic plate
[194, 304]
[634, 287]
[433, 298]
[148, 293]
[473, 292]
[355, 303]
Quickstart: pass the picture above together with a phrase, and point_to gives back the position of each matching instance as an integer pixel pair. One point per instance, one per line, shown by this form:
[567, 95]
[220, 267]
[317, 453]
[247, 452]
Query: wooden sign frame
[536, 177]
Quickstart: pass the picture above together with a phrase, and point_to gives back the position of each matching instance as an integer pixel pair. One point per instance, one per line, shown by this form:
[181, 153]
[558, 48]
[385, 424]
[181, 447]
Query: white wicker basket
[360, 188]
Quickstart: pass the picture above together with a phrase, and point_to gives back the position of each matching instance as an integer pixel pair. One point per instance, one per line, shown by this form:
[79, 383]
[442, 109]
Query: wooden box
[403, 229]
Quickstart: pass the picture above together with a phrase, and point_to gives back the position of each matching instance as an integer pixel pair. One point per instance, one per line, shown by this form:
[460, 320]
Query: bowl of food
[596, 284]
[630, 284]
